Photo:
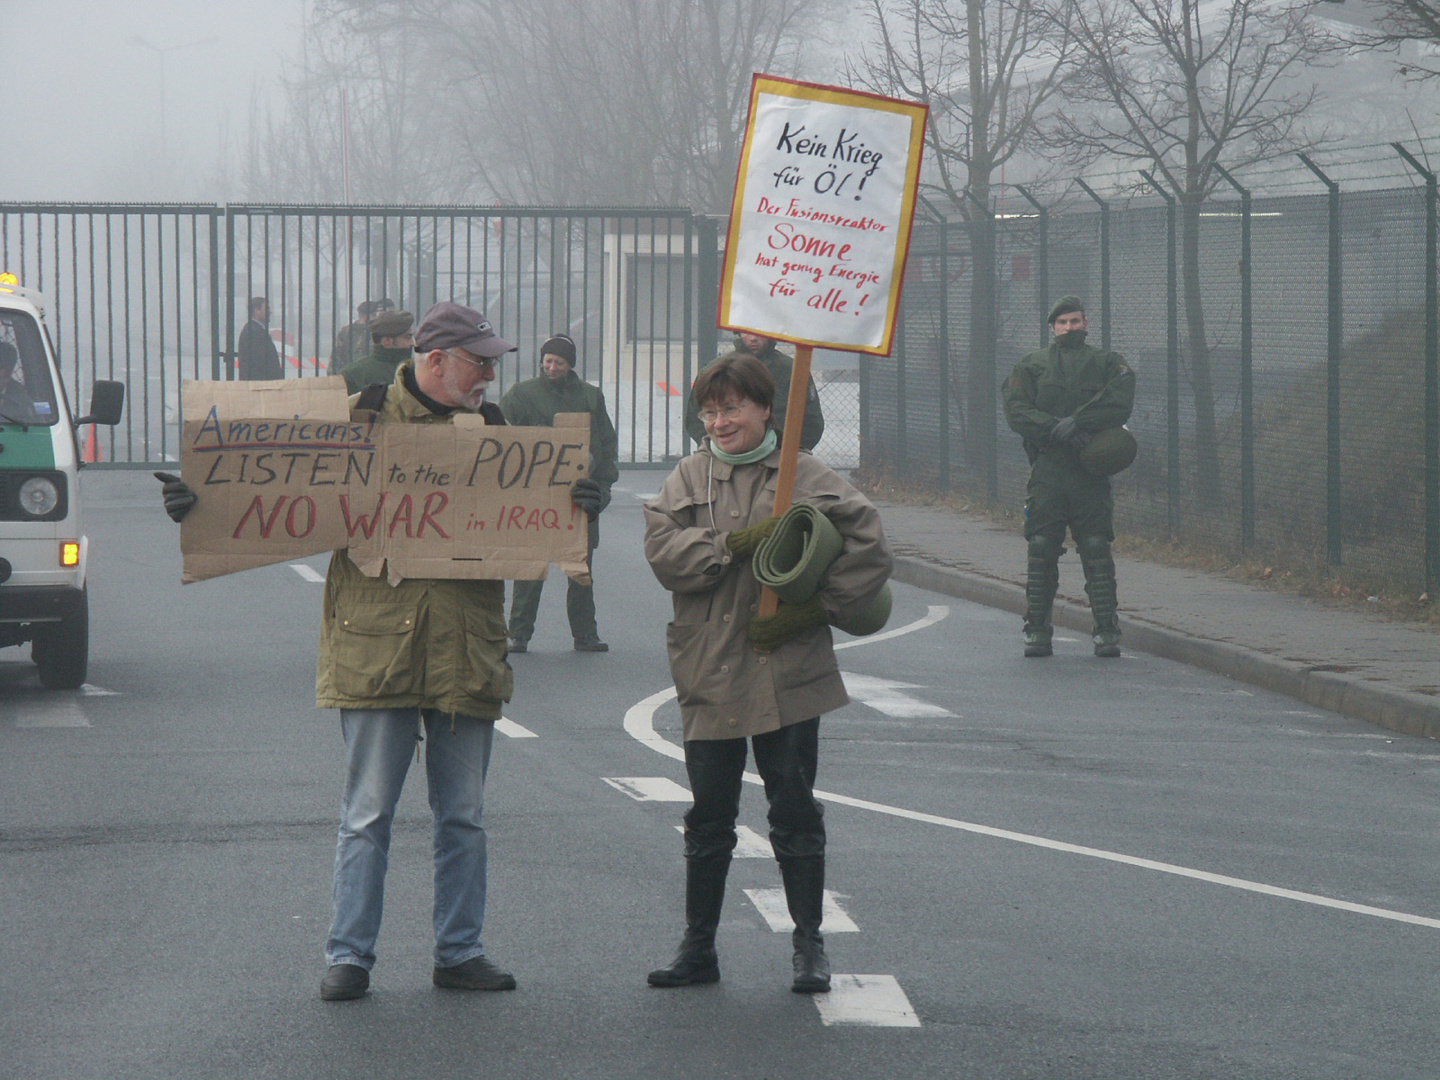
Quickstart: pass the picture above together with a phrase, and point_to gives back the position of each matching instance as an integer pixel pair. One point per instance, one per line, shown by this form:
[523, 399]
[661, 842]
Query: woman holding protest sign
[739, 675]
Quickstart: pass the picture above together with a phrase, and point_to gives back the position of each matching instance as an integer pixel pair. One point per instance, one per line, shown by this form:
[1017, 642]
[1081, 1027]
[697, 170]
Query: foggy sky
[80, 104]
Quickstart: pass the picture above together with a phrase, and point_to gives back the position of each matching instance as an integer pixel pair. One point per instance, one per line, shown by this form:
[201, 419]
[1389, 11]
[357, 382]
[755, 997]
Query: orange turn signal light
[69, 553]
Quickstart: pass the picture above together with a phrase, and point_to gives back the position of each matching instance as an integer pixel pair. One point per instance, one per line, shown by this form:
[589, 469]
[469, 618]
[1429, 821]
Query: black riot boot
[804, 880]
[1099, 569]
[696, 961]
[1042, 578]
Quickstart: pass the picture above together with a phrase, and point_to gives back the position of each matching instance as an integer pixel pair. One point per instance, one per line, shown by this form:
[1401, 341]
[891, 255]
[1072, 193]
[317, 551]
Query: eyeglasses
[487, 364]
[730, 412]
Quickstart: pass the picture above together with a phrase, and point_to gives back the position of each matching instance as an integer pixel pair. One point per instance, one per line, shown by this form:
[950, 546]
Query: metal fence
[156, 294]
[1320, 319]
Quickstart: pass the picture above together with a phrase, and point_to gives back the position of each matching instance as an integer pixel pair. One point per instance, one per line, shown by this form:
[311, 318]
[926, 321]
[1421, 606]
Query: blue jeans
[381, 743]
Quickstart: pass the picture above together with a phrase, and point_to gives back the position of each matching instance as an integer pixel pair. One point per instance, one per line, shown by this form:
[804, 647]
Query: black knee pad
[1093, 548]
[1046, 548]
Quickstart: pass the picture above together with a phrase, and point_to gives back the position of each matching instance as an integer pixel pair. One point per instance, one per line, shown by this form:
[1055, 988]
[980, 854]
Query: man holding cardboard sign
[420, 659]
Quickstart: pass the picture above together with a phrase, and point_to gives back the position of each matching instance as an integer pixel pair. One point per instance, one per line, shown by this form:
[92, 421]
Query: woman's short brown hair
[739, 373]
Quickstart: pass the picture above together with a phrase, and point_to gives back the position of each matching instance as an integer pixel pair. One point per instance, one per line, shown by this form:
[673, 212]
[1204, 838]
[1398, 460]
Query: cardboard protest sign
[284, 470]
[820, 222]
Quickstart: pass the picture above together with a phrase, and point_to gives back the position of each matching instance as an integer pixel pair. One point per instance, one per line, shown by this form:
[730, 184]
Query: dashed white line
[640, 725]
[866, 1001]
[506, 726]
[649, 788]
[309, 573]
[748, 843]
[771, 904]
[53, 713]
[87, 690]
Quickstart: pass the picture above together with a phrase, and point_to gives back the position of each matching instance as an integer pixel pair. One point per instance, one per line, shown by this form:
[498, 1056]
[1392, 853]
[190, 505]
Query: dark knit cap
[1065, 305]
[560, 345]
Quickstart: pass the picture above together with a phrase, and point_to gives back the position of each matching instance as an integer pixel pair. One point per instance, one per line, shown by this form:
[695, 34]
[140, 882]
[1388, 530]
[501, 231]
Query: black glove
[1065, 430]
[604, 497]
[589, 496]
[179, 499]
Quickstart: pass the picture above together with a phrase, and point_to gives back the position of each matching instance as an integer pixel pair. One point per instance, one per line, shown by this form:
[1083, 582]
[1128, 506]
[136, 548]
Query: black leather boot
[804, 880]
[696, 961]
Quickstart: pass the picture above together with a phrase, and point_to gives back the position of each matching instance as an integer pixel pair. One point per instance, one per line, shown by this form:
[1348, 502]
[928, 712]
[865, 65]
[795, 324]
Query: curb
[1389, 707]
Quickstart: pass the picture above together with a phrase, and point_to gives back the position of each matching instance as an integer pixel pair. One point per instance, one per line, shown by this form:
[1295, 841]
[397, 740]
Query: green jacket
[535, 403]
[424, 643]
[379, 367]
[1092, 385]
[780, 367]
[352, 343]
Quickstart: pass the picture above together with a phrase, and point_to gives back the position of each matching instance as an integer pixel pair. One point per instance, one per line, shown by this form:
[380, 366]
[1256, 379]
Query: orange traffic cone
[91, 453]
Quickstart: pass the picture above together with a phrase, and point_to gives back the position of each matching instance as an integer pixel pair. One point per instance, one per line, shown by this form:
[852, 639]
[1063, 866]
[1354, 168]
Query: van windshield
[27, 394]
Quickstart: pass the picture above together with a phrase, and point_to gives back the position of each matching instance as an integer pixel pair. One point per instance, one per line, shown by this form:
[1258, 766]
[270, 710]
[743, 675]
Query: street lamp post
[159, 51]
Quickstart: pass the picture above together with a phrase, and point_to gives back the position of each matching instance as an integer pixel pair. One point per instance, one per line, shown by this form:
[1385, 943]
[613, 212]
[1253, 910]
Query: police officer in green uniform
[1057, 399]
[535, 403]
[392, 345]
[779, 365]
[352, 343]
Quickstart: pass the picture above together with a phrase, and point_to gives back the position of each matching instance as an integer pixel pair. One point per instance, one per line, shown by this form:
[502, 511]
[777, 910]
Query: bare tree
[1409, 22]
[616, 102]
[1178, 85]
[989, 70]
[357, 126]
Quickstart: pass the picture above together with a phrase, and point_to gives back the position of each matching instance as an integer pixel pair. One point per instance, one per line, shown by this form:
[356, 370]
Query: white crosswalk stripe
[771, 904]
[866, 1001]
[308, 573]
[506, 726]
[649, 788]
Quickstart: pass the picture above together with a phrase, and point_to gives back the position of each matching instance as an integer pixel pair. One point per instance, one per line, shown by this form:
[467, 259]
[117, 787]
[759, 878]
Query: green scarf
[760, 453]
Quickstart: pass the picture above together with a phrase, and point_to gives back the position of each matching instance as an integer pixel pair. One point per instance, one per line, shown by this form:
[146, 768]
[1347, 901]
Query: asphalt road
[1066, 869]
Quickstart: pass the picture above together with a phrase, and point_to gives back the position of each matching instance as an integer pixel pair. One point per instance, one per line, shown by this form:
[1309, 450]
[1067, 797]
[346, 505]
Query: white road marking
[889, 697]
[649, 788]
[748, 843]
[309, 573]
[646, 496]
[506, 726]
[87, 690]
[640, 725]
[56, 712]
[866, 1001]
[771, 904]
[933, 614]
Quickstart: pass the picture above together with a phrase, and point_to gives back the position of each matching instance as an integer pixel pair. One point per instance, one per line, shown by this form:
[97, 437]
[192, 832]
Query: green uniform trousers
[1061, 493]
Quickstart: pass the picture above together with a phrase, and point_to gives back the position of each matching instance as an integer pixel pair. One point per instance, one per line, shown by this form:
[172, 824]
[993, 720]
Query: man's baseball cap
[449, 325]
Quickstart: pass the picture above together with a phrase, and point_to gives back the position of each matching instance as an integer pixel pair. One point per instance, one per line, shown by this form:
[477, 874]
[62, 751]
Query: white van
[43, 599]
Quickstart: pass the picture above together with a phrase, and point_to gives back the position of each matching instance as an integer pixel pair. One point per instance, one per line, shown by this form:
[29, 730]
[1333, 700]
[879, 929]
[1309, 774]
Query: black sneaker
[477, 973]
[593, 644]
[344, 982]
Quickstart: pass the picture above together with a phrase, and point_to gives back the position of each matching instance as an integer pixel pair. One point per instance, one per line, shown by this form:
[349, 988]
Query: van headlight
[39, 496]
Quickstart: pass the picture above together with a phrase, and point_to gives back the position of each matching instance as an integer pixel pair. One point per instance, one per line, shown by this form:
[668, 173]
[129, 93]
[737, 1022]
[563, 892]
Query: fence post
[1432, 382]
[1332, 365]
[229, 343]
[1247, 380]
[1172, 365]
[1042, 276]
[707, 293]
[1104, 263]
[984, 230]
[944, 346]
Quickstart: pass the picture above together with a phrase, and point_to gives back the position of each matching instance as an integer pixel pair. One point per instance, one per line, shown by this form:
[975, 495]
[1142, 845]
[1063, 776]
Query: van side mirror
[107, 404]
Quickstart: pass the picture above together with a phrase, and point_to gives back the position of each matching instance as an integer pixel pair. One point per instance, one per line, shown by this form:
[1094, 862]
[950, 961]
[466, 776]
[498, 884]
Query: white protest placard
[820, 223]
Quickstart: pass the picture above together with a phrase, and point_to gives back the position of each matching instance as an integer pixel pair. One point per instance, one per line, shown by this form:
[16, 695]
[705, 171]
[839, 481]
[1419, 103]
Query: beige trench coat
[726, 689]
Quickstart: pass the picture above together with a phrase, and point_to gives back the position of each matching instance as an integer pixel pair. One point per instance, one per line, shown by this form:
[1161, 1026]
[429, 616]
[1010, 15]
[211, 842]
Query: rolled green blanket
[793, 560]
[873, 618]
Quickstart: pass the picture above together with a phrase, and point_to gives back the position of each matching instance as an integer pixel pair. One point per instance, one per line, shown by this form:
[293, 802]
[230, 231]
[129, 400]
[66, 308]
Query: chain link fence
[1286, 395]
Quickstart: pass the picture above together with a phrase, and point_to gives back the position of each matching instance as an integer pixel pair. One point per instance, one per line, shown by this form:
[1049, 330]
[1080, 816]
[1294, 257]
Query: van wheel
[62, 650]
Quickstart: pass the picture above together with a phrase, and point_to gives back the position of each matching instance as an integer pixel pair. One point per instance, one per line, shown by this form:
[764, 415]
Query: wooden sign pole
[789, 450]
